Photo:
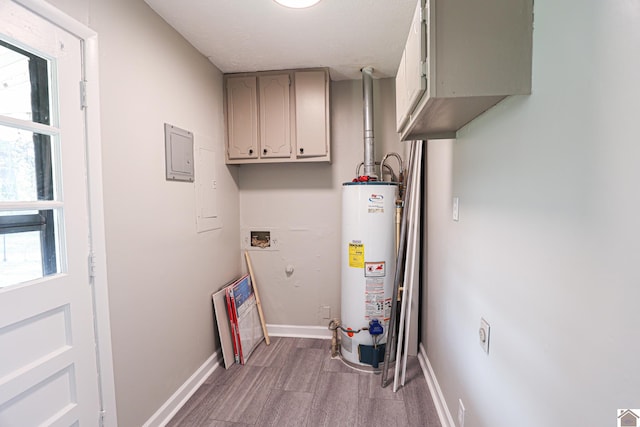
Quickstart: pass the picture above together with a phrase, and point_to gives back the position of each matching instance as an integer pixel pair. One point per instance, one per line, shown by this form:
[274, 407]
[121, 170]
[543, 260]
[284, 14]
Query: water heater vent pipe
[367, 93]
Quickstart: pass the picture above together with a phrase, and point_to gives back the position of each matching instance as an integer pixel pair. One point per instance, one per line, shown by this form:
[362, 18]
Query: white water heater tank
[368, 261]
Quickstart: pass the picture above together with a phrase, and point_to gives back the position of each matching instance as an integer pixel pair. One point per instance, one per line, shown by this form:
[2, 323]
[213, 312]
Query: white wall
[546, 248]
[161, 271]
[303, 204]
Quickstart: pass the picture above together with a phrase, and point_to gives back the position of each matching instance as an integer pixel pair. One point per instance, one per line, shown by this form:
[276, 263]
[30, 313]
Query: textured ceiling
[258, 35]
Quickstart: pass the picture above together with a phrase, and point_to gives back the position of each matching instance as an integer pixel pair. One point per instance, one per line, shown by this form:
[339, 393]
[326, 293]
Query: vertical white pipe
[367, 95]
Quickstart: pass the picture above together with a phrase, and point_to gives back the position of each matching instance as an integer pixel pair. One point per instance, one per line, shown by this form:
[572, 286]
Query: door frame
[89, 52]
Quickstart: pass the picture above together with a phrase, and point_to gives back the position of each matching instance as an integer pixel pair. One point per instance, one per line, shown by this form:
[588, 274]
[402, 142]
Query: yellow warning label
[356, 255]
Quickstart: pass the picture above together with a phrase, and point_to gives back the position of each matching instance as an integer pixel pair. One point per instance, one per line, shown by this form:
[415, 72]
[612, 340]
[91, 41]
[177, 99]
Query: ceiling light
[297, 4]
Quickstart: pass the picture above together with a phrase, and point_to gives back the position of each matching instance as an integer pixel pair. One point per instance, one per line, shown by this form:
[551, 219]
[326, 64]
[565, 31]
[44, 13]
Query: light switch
[456, 206]
[484, 335]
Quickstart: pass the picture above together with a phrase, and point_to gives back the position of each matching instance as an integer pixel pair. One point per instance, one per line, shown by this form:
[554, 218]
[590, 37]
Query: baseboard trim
[321, 332]
[434, 388]
[167, 411]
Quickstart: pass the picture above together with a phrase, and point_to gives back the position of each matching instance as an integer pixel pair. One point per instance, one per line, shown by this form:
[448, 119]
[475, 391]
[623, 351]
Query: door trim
[89, 52]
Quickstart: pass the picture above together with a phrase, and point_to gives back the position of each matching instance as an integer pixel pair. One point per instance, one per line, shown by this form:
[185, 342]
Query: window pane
[20, 257]
[28, 246]
[24, 85]
[29, 239]
[25, 166]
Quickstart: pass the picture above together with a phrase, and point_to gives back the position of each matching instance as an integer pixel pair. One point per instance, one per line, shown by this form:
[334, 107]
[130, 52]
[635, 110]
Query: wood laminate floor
[294, 382]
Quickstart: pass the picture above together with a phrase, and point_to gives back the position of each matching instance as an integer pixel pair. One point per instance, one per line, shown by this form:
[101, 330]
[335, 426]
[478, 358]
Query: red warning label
[374, 269]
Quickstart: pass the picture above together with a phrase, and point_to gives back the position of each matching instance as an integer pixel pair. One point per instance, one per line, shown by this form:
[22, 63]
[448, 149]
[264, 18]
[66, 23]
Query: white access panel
[207, 211]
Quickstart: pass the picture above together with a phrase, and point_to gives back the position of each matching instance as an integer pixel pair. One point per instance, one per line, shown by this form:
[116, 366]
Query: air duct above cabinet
[461, 58]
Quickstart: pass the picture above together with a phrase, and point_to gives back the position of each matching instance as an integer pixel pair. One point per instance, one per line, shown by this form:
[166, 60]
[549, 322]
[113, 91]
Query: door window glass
[24, 89]
[28, 227]
[18, 176]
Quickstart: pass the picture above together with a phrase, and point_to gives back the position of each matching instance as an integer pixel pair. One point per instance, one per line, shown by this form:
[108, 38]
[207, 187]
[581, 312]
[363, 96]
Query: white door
[48, 370]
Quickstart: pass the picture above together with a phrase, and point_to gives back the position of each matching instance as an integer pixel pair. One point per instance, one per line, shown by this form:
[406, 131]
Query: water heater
[368, 264]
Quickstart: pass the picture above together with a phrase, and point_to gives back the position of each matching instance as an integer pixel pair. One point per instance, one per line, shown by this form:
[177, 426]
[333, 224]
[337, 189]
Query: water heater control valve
[375, 328]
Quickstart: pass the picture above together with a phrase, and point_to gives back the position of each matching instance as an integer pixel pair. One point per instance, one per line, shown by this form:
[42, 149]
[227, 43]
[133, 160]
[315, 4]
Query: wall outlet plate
[325, 312]
[483, 335]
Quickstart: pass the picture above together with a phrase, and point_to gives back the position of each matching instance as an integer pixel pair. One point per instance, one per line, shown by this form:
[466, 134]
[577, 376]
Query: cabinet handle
[302, 151]
[250, 150]
[264, 151]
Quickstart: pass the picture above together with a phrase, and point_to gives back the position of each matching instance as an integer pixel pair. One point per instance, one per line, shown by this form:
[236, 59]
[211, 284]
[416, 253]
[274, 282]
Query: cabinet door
[275, 124]
[312, 119]
[415, 52]
[242, 118]
[402, 111]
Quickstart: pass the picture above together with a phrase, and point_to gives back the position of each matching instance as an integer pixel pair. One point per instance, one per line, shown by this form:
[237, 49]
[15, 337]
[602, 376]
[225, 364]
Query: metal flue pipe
[367, 94]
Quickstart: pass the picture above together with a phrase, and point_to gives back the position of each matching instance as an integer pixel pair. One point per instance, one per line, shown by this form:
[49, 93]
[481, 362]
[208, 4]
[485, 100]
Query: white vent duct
[367, 95]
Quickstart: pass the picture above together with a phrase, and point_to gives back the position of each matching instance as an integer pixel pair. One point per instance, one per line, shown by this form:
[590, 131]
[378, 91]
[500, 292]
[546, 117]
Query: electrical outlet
[461, 411]
[484, 334]
[325, 312]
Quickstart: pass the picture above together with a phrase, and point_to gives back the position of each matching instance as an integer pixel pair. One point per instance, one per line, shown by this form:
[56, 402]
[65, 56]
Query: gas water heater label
[376, 203]
[374, 298]
[387, 309]
[356, 255]
[374, 269]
